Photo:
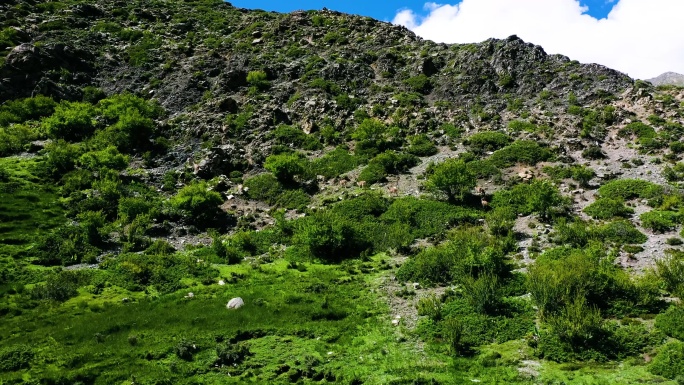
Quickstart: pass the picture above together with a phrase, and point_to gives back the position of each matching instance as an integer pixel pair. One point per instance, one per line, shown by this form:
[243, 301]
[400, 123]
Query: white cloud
[642, 38]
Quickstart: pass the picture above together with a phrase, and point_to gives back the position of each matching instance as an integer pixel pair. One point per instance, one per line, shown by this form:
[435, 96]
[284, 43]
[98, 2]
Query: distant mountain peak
[671, 78]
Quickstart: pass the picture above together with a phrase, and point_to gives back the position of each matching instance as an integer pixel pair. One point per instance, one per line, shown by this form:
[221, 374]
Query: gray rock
[235, 303]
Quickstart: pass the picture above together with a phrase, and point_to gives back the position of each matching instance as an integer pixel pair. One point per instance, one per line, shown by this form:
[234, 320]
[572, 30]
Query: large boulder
[25, 56]
[235, 303]
[221, 160]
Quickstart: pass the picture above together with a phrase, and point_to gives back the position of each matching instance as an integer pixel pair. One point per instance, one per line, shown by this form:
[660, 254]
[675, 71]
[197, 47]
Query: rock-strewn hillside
[387, 210]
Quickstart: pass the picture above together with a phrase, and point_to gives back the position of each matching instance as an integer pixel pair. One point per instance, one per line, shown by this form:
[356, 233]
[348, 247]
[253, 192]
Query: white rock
[222, 282]
[235, 303]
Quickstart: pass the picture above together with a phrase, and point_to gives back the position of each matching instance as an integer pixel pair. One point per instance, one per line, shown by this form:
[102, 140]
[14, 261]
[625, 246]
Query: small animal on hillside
[479, 191]
[361, 183]
[343, 182]
[393, 190]
[484, 202]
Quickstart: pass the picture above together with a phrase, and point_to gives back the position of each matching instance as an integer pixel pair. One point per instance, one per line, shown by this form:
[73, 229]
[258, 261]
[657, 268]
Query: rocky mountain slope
[391, 210]
[668, 78]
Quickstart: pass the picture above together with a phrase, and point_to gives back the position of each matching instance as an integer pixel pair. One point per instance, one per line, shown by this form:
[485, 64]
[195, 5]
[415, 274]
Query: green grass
[291, 321]
[631, 372]
[28, 208]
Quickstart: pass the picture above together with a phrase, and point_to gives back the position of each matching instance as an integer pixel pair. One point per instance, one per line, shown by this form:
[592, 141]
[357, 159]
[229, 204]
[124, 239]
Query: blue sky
[382, 10]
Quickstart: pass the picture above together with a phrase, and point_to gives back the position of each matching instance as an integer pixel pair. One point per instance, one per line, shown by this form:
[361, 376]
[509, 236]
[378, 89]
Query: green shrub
[373, 173]
[61, 157]
[621, 232]
[420, 145]
[229, 354]
[347, 103]
[577, 324]
[133, 131]
[388, 162]
[117, 106]
[93, 94]
[451, 130]
[579, 234]
[540, 197]
[501, 220]
[484, 168]
[325, 85]
[258, 80]
[105, 26]
[669, 362]
[430, 306]
[136, 271]
[9, 37]
[482, 294]
[671, 271]
[674, 174]
[264, 187]
[75, 181]
[14, 138]
[197, 203]
[522, 151]
[290, 135]
[593, 152]
[660, 221]
[335, 38]
[521, 125]
[426, 217]
[143, 51]
[582, 174]
[580, 334]
[544, 198]
[293, 200]
[132, 207]
[637, 129]
[109, 157]
[672, 322]
[15, 357]
[626, 189]
[371, 134]
[71, 121]
[286, 167]
[487, 141]
[468, 252]
[329, 236]
[420, 83]
[335, 163]
[674, 241]
[185, 349]
[160, 248]
[561, 275]
[22, 110]
[451, 178]
[607, 208]
[59, 286]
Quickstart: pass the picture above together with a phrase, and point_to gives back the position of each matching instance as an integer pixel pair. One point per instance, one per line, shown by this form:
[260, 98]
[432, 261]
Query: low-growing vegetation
[192, 193]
